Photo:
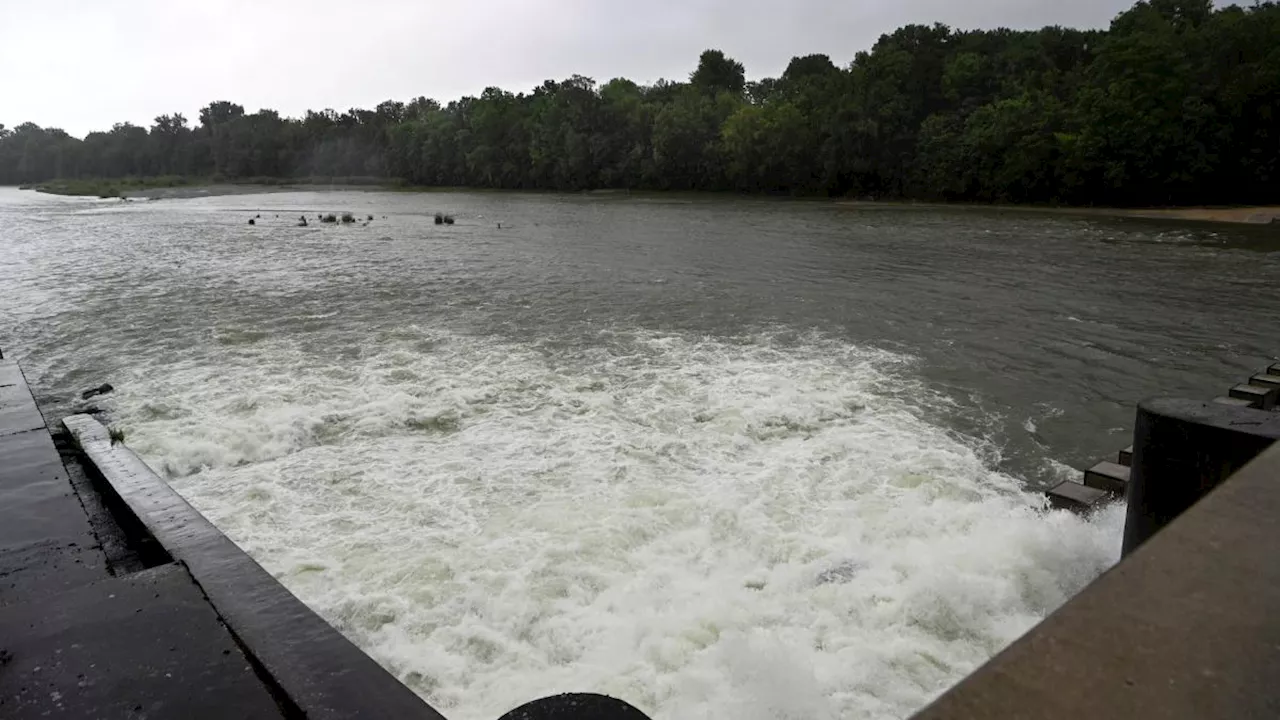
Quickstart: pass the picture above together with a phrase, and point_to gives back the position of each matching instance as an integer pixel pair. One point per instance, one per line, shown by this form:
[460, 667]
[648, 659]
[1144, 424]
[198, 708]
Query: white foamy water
[705, 528]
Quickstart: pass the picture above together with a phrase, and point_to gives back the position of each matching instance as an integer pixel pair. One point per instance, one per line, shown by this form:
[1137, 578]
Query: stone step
[1273, 369]
[1262, 398]
[1075, 497]
[1265, 380]
[1108, 477]
[1125, 456]
[1232, 401]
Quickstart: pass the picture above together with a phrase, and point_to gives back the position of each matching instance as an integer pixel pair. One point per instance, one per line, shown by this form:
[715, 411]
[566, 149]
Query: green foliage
[109, 188]
[1177, 102]
[717, 73]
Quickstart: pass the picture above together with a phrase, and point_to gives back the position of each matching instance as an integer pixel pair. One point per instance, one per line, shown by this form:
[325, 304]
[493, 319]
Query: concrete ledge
[1075, 497]
[1266, 380]
[1108, 476]
[1260, 397]
[1234, 402]
[1185, 628]
[18, 412]
[1125, 456]
[314, 668]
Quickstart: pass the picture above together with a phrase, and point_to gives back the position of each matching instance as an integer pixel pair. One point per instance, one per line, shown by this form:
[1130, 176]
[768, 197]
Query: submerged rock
[102, 389]
[842, 573]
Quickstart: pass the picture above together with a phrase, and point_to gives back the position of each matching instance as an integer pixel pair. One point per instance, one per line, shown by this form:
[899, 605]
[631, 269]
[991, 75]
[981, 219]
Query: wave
[762, 527]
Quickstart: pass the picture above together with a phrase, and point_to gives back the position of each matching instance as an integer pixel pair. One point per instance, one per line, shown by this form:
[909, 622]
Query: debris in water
[102, 389]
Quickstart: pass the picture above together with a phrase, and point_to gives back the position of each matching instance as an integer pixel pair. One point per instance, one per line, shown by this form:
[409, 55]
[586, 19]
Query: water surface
[717, 457]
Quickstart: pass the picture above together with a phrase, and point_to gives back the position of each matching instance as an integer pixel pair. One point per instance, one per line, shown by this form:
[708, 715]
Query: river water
[717, 457]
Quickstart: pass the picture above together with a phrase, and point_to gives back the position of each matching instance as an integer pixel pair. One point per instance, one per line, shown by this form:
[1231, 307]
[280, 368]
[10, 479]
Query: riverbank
[1247, 215]
[116, 187]
[180, 188]
[1254, 215]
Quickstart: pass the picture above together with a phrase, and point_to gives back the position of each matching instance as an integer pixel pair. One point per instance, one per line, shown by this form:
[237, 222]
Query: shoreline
[1241, 215]
[1238, 215]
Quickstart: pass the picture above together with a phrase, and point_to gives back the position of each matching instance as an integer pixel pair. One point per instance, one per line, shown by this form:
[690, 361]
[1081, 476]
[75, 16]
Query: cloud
[85, 64]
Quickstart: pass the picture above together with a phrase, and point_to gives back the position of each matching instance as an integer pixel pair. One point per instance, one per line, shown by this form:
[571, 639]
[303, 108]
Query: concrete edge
[1184, 627]
[313, 666]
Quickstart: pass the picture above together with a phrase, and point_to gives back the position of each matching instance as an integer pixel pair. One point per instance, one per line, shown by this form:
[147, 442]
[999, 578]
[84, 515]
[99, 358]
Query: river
[717, 457]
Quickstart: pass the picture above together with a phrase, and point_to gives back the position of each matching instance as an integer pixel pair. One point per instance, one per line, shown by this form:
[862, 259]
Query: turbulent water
[719, 458]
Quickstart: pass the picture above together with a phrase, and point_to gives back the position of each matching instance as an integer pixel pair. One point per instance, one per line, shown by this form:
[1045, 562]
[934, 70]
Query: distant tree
[1176, 102]
[717, 73]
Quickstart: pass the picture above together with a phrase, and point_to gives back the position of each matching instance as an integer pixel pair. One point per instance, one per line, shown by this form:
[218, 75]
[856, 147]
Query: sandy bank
[1250, 215]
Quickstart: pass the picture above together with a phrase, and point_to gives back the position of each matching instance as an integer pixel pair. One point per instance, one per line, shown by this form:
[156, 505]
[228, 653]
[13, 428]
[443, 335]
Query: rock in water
[842, 573]
[102, 389]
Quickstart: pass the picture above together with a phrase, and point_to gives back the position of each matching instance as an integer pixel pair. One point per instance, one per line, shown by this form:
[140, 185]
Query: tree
[717, 73]
[1176, 102]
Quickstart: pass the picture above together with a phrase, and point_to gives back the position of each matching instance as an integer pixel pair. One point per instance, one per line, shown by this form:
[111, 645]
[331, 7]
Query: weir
[118, 599]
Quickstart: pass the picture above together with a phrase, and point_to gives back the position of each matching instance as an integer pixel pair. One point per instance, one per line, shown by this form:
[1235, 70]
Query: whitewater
[752, 527]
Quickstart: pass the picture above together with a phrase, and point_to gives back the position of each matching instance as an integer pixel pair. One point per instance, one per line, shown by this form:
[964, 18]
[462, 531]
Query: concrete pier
[1183, 449]
[1185, 628]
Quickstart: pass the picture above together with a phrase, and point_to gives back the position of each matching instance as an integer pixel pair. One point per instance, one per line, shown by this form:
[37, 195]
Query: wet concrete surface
[46, 544]
[319, 672]
[147, 645]
[77, 641]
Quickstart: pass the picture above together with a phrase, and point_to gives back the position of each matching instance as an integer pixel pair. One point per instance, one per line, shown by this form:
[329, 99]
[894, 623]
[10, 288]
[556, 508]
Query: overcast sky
[84, 64]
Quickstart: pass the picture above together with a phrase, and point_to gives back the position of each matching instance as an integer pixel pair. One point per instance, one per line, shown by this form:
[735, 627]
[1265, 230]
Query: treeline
[1176, 103]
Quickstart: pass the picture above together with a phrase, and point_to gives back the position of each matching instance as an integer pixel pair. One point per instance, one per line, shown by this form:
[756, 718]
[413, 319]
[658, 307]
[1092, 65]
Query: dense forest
[1175, 103]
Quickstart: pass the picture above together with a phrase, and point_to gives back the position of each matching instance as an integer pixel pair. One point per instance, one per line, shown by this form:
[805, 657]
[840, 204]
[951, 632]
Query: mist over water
[717, 458]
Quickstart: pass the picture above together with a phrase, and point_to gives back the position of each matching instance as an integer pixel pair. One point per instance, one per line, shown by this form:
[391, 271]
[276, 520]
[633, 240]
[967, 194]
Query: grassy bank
[116, 187]
[123, 187]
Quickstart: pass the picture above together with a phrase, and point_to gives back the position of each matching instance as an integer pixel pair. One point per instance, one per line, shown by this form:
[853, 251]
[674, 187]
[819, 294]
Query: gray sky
[84, 64]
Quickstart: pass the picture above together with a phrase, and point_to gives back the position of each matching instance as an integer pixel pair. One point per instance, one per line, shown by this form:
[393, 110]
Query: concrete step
[1108, 477]
[1265, 380]
[1125, 456]
[1075, 497]
[1234, 402]
[1273, 369]
[1262, 398]
[146, 645]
